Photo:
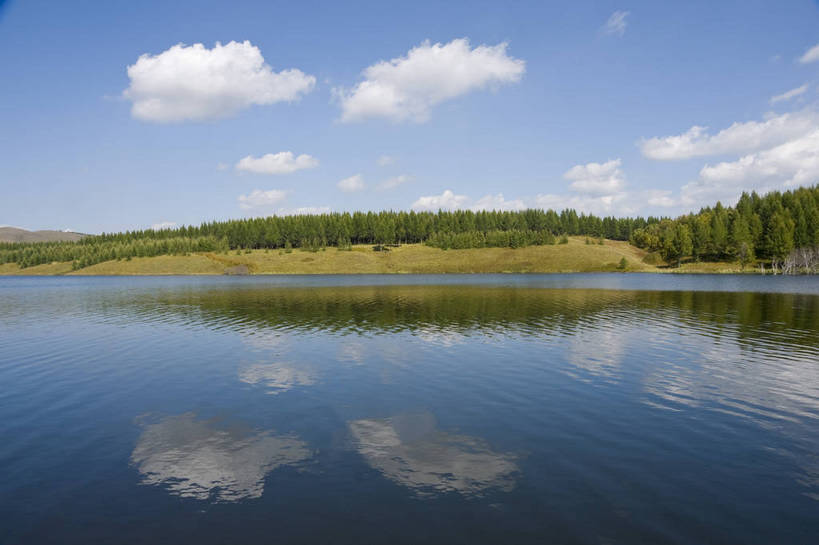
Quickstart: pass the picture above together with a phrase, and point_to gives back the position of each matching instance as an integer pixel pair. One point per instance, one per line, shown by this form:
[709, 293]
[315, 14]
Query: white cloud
[497, 202]
[194, 83]
[445, 201]
[596, 178]
[304, 211]
[450, 201]
[222, 166]
[660, 198]
[395, 181]
[385, 160]
[406, 88]
[261, 199]
[351, 184]
[811, 55]
[738, 138]
[616, 23]
[791, 164]
[787, 95]
[596, 188]
[602, 205]
[283, 162]
[164, 225]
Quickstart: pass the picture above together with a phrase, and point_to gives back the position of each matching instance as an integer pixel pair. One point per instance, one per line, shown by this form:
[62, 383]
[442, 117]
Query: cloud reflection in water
[410, 450]
[278, 377]
[194, 459]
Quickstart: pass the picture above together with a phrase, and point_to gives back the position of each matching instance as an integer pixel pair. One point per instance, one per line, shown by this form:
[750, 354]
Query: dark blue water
[410, 409]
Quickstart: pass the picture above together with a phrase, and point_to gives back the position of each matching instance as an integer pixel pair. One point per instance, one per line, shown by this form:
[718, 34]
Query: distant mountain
[14, 234]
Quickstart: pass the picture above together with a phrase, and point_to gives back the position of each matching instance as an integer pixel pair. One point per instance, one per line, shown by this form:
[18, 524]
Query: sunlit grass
[576, 256]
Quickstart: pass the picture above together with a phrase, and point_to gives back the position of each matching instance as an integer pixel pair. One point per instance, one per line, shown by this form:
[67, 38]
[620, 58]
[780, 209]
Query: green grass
[159, 265]
[38, 270]
[576, 256]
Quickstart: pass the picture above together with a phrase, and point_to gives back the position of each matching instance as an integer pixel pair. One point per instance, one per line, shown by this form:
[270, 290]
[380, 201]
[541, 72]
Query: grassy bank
[576, 256]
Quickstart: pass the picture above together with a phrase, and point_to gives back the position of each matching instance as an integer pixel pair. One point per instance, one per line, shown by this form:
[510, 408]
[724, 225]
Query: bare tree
[801, 261]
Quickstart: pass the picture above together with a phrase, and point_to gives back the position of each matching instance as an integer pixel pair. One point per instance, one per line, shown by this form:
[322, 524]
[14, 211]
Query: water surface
[381, 409]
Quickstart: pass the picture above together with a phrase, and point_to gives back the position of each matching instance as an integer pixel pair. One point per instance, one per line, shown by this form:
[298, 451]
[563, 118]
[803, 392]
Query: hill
[576, 256]
[15, 234]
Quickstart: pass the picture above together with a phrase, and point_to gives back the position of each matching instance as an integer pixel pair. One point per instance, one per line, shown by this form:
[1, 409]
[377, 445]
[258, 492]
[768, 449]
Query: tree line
[445, 229]
[769, 227]
[765, 227]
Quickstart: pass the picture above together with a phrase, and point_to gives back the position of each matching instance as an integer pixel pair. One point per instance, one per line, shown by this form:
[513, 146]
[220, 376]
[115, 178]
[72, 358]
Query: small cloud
[304, 211]
[385, 160]
[596, 178]
[659, 197]
[497, 202]
[616, 24]
[811, 55]
[445, 201]
[395, 181]
[351, 184]
[787, 95]
[164, 225]
[261, 199]
[222, 166]
[283, 162]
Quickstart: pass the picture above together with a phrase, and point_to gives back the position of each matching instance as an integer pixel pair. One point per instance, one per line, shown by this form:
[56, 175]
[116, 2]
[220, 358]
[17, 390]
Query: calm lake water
[423, 409]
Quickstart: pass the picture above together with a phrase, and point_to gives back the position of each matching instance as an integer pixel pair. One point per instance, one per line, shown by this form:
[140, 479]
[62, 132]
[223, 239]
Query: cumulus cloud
[777, 153]
[811, 55]
[616, 23]
[791, 164]
[596, 178]
[261, 199]
[164, 225]
[597, 188]
[406, 88]
[787, 95]
[194, 83]
[385, 160]
[352, 184]
[395, 181]
[283, 162]
[738, 138]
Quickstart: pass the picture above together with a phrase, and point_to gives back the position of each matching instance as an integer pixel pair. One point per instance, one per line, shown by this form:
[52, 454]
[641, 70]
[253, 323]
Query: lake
[608, 408]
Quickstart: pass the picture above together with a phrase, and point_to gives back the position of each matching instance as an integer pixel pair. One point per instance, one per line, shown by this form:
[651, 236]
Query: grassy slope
[162, 264]
[15, 234]
[577, 256]
[39, 270]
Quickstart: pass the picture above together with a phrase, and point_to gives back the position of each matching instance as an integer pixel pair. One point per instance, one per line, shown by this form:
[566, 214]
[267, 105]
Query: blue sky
[613, 107]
